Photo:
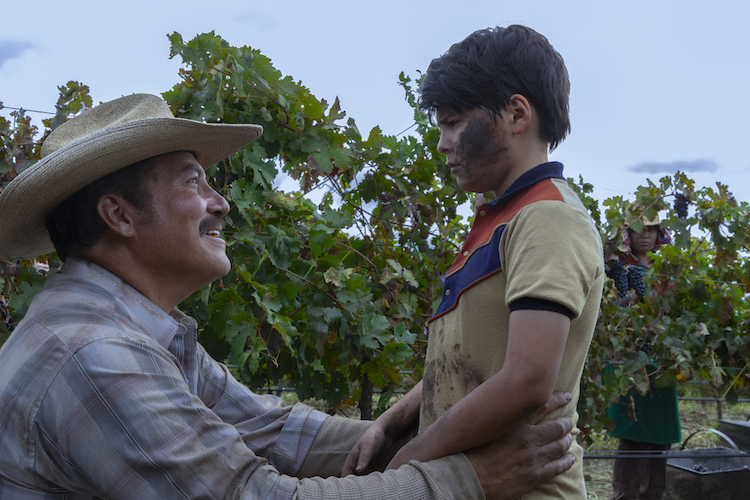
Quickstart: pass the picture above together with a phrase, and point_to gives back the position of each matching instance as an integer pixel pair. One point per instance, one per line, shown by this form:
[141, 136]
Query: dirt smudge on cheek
[477, 144]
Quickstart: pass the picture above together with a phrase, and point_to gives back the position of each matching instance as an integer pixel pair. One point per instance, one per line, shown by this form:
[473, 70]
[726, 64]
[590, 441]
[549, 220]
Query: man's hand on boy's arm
[536, 342]
[376, 443]
[525, 456]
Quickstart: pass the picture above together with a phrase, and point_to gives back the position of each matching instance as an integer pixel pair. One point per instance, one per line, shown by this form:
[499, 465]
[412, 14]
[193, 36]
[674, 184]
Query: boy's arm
[536, 341]
[390, 427]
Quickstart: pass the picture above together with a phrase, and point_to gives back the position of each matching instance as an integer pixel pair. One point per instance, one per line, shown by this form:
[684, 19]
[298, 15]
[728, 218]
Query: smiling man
[105, 391]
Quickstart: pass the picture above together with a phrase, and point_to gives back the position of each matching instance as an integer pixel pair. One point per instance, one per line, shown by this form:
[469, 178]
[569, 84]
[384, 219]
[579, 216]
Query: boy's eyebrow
[445, 115]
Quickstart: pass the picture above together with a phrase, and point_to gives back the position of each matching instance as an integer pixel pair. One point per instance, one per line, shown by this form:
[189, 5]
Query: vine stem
[734, 380]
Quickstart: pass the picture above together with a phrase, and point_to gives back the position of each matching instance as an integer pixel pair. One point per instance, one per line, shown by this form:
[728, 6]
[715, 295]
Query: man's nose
[218, 205]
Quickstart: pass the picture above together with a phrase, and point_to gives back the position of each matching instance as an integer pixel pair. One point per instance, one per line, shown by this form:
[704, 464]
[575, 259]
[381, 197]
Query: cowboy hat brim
[25, 202]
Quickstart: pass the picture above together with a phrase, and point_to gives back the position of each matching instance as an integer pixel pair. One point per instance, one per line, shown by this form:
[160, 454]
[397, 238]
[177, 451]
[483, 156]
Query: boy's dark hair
[489, 66]
[75, 224]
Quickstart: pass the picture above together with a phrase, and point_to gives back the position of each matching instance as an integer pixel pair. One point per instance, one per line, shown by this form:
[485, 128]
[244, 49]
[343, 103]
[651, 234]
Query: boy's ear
[117, 214]
[521, 112]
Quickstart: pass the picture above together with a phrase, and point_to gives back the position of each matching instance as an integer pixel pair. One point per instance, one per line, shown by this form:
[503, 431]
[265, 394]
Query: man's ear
[117, 214]
[521, 111]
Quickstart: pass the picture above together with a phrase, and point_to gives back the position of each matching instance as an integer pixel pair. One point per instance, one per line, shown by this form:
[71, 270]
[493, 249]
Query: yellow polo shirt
[535, 242]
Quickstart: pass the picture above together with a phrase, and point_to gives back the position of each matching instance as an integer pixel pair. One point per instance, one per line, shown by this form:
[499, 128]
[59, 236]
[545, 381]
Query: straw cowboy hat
[98, 142]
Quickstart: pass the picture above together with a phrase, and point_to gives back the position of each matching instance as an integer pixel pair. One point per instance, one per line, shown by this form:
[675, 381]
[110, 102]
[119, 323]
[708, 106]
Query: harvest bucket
[708, 473]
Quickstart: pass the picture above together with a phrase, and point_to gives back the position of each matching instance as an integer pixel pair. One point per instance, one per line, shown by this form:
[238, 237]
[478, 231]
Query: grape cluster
[635, 281]
[619, 275]
[700, 468]
[681, 205]
[647, 347]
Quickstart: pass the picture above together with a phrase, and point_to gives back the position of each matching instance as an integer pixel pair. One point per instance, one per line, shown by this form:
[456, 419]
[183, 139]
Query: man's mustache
[211, 222]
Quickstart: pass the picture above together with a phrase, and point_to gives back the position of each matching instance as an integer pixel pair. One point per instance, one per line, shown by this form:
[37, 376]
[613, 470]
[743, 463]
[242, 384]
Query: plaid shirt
[102, 394]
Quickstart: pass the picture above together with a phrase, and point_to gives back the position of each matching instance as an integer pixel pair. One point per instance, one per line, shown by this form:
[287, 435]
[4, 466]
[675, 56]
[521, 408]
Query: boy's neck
[530, 156]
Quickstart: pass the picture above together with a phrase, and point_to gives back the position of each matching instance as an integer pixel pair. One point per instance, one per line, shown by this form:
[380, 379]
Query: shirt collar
[548, 170]
[128, 301]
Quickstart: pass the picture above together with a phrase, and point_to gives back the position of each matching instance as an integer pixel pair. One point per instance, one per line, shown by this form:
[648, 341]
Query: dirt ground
[694, 416]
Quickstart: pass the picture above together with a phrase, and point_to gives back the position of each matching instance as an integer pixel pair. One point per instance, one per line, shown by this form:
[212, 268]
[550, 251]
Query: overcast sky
[657, 86]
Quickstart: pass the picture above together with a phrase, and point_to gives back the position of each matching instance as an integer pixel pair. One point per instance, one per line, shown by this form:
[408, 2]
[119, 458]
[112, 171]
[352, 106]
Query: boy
[521, 300]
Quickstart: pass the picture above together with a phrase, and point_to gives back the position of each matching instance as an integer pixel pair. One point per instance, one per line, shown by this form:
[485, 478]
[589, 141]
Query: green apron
[657, 417]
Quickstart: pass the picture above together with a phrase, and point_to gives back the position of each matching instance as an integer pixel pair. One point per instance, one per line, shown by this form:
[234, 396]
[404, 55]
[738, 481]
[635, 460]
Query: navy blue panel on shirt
[482, 263]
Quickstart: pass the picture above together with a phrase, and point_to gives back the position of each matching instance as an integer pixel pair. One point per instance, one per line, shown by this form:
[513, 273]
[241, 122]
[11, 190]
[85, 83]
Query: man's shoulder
[56, 329]
[76, 318]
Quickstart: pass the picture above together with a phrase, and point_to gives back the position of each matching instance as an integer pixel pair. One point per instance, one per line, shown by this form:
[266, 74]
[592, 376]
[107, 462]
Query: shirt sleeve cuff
[542, 305]
[297, 437]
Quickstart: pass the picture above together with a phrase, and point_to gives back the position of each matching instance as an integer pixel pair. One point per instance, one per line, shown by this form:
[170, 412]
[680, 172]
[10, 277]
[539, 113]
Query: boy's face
[476, 149]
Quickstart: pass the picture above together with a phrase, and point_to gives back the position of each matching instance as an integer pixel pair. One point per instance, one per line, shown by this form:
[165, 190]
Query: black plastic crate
[708, 473]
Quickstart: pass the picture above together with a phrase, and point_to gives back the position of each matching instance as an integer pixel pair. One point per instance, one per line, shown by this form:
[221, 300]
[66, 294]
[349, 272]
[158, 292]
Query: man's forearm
[447, 478]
